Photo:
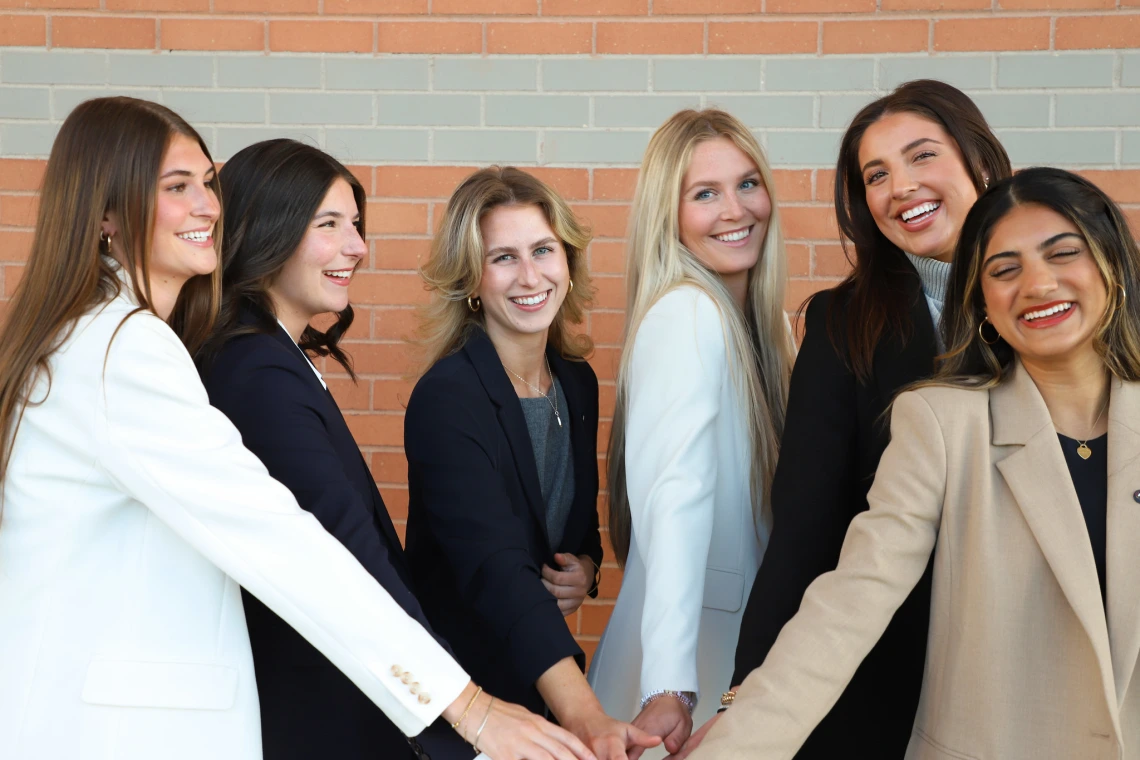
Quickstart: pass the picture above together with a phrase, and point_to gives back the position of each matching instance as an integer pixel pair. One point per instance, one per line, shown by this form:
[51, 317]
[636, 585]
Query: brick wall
[414, 94]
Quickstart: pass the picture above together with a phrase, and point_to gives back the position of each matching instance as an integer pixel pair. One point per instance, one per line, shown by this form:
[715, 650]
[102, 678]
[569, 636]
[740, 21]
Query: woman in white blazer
[131, 511]
[1018, 467]
[701, 393]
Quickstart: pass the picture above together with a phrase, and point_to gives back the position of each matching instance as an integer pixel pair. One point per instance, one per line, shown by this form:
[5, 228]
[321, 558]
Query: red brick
[211, 34]
[595, 7]
[571, 184]
[430, 37]
[611, 581]
[540, 37]
[1018, 33]
[391, 394]
[809, 223]
[485, 7]
[173, 6]
[830, 261]
[15, 245]
[799, 290]
[607, 257]
[1122, 185]
[49, 4]
[23, 31]
[350, 395]
[18, 210]
[609, 292]
[12, 276]
[935, 5]
[420, 181]
[606, 328]
[595, 617]
[799, 259]
[401, 253]
[770, 37]
[392, 359]
[321, 36]
[397, 218]
[825, 185]
[1080, 32]
[875, 36]
[276, 7]
[792, 184]
[396, 501]
[390, 289]
[605, 221]
[21, 173]
[642, 38]
[1026, 5]
[614, 184]
[821, 6]
[389, 467]
[706, 7]
[376, 7]
[103, 32]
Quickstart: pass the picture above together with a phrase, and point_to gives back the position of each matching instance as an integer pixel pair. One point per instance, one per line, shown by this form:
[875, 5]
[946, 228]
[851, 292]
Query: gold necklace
[1083, 450]
[554, 391]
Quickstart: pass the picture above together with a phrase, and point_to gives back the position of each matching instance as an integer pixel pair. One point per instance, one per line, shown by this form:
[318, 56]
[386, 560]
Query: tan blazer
[1021, 661]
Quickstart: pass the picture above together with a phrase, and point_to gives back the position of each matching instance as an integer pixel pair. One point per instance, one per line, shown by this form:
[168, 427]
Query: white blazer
[695, 547]
[131, 512]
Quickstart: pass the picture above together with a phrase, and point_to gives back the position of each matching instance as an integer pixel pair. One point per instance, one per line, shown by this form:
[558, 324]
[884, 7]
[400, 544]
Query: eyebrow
[699, 182]
[511, 249]
[185, 173]
[906, 149]
[1040, 246]
[334, 214]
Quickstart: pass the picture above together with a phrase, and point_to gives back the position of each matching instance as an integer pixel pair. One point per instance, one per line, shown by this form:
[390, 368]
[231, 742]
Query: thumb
[636, 737]
[676, 738]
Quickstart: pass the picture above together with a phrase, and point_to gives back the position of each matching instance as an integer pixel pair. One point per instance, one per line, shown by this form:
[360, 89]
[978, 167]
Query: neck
[737, 284]
[163, 292]
[524, 355]
[1076, 393]
[295, 321]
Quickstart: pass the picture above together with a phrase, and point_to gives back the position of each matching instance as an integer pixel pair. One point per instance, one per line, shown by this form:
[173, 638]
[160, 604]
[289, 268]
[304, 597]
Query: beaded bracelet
[687, 698]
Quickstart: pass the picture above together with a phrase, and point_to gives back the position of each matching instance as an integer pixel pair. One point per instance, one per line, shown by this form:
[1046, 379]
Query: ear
[110, 224]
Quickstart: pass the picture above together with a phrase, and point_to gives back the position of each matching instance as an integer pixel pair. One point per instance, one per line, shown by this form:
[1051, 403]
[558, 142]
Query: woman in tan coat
[1018, 467]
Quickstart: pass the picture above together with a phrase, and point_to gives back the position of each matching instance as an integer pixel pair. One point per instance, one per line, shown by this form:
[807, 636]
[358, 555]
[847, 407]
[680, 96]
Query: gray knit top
[935, 276]
[553, 458]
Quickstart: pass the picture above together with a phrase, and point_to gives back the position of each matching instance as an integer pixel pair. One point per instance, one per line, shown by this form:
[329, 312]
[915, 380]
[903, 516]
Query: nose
[1039, 280]
[902, 183]
[355, 246]
[732, 207]
[208, 205]
[528, 272]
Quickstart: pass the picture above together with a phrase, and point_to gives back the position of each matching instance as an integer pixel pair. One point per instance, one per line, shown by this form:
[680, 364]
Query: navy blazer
[476, 537]
[834, 435]
[268, 389]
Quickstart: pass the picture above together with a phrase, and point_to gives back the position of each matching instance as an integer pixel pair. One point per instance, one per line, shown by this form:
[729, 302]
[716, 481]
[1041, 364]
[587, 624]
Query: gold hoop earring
[571, 290]
[474, 303]
[105, 237]
[1123, 294]
[981, 337]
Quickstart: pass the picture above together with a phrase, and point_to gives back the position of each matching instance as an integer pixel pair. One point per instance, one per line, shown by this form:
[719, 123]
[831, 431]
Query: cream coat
[131, 512]
[1021, 661]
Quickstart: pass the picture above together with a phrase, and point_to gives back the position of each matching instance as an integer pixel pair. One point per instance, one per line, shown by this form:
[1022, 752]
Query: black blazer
[287, 418]
[477, 522]
[833, 438]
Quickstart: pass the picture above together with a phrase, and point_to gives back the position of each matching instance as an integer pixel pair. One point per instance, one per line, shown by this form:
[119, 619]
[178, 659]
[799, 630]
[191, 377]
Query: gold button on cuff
[425, 698]
[415, 688]
[407, 677]
[397, 671]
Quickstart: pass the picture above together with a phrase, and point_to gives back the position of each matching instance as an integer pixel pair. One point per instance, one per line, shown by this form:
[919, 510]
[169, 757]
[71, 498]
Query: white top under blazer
[695, 548]
[131, 512]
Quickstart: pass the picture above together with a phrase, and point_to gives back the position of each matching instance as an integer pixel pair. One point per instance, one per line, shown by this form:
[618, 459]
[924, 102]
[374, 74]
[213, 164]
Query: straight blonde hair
[454, 269]
[760, 348]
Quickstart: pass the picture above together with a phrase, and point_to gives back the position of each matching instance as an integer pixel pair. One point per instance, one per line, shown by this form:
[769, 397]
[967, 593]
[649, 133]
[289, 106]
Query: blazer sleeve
[273, 409]
[467, 511]
[591, 544]
[163, 443]
[676, 373]
[845, 611]
[811, 504]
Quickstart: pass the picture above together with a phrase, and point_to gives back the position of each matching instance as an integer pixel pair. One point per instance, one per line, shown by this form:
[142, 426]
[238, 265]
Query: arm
[845, 611]
[163, 443]
[811, 504]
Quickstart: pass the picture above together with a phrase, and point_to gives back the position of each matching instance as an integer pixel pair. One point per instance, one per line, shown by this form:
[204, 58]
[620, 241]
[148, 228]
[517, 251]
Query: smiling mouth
[340, 274]
[1060, 308]
[920, 212]
[735, 236]
[199, 236]
[534, 300]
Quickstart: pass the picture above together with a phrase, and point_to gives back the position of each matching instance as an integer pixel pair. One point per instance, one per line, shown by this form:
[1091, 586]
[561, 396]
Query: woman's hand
[570, 585]
[511, 732]
[609, 738]
[668, 718]
[695, 740]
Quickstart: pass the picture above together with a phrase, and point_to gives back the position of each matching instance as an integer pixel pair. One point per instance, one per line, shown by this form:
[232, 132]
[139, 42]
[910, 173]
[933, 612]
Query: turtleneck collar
[935, 277]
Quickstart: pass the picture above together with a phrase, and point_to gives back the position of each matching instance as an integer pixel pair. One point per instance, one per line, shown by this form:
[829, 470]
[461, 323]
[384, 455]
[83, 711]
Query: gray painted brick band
[594, 147]
[1131, 145]
[65, 99]
[162, 69]
[25, 103]
[20, 67]
[485, 146]
[428, 110]
[707, 75]
[197, 106]
[350, 145]
[803, 148]
[1059, 147]
[27, 138]
[836, 111]
[819, 74]
[468, 74]
[1130, 70]
[264, 72]
[538, 111]
[964, 72]
[232, 139]
[1004, 110]
[1053, 71]
[1098, 110]
[325, 108]
[768, 110]
[611, 74]
[639, 110]
[377, 74]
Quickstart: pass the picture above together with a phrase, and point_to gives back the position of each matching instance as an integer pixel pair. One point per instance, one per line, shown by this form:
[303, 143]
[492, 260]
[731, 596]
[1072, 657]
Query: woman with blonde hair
[700, 406]
[501, 439]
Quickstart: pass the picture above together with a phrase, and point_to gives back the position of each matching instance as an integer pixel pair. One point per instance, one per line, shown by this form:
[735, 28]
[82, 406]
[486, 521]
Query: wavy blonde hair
[454, 269]
[760, 348]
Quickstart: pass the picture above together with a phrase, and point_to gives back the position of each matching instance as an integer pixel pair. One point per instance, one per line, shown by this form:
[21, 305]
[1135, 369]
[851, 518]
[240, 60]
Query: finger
[636, 737]
[550, 587]
[549, 572]
[567, 560]
[678, 736]
[563, 592]
[563, 579]
[633, 752]
[567, 740]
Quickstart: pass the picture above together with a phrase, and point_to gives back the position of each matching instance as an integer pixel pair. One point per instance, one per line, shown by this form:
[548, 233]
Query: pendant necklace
[554, 392]
[1083, 450]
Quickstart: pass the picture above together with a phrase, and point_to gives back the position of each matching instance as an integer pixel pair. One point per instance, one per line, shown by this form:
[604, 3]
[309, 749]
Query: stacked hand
[695, 740]
[570, 584]
[609, 738]
[667, 718]
[506, 731]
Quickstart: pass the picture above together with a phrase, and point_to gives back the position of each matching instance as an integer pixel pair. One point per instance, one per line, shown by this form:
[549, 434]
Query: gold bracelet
[597, 579]
[484, 723]
[455, 725]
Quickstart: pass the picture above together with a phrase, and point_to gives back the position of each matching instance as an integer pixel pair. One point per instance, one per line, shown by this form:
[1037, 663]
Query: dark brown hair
[273, 189]
[875, 294]
[106, 159]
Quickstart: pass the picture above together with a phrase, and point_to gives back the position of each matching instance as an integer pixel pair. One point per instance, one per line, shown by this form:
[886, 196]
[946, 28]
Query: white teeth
[918, 210]
[732, 237]
[196, 237]
[531, 300]
[341, 275]
[1029, 317]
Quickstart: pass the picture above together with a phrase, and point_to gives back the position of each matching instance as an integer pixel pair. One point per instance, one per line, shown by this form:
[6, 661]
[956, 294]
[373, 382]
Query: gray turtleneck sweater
[935, 277]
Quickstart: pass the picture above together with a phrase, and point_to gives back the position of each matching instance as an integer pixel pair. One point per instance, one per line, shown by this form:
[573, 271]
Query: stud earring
[474, 303]
[986, 321]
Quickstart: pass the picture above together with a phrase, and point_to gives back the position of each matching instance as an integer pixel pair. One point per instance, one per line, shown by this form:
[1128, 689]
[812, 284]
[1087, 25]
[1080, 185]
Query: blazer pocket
[939, 750]
[173, 685]
[724, 590]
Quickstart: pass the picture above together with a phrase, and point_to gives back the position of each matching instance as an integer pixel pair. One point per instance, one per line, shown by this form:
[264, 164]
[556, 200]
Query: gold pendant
[1083, 451]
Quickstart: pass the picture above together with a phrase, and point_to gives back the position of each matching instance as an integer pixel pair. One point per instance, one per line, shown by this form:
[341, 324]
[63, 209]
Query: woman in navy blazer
[508, 275]
[294, 237]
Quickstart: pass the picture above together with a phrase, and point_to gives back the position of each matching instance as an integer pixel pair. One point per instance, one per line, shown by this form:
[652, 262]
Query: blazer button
[1136, 496]
[407, 677]
[424, 698]
[397, 671]
[415, 688]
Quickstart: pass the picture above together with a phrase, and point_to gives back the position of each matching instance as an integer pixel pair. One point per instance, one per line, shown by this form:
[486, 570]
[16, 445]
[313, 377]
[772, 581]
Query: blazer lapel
[899, 363]
[502, 394]
[1123, 532]
[1037, 475]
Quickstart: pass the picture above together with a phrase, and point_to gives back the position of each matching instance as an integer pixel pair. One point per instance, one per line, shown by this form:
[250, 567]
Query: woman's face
[526, 275]
[315, 278]
[917, 186]
[185, 212]
[724, 208]
[1041, 286]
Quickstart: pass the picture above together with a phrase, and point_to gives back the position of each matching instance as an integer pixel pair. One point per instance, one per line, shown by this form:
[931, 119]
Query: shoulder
[684, 316]
[239, 361]
[950, 405]
[449, 385]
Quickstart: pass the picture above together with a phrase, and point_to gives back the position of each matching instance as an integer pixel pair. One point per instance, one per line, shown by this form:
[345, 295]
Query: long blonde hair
[454, 269]
[760, 348]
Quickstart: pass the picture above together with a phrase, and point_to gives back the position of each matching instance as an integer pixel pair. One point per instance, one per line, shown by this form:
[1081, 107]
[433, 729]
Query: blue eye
[543, 249]
[749, 184]
[703, 195]
[875, 177]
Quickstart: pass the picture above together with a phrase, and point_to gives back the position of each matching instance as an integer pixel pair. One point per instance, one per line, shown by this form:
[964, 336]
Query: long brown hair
[106, 159]
[971, 362]
[455, 267]
[876, 292]
[273, 189]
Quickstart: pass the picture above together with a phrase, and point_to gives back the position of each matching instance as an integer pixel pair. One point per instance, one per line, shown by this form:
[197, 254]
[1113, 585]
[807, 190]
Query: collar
[935, 276]
[308, 361]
